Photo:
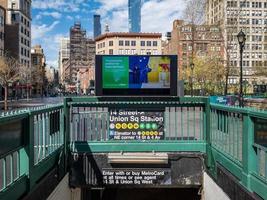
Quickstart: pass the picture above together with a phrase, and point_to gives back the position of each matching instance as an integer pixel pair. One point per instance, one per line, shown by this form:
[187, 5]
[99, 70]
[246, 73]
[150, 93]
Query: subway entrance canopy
[120, 145]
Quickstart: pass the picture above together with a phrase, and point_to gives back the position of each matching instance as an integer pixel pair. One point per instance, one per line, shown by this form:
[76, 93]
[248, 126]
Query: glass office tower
[97, 26]
[134, 15]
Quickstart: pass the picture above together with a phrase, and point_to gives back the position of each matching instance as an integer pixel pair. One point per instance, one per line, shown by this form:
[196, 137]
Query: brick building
[81, 60]
[202, 41]
[38, 70]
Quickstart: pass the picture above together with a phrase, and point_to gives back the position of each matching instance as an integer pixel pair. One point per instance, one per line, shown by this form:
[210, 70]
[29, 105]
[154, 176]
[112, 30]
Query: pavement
[24, 103]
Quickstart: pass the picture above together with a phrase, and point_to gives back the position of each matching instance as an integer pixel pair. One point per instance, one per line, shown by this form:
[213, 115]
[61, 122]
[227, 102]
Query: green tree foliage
[208, 75]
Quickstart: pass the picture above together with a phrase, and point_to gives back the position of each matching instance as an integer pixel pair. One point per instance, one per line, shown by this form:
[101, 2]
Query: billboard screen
[136, 75]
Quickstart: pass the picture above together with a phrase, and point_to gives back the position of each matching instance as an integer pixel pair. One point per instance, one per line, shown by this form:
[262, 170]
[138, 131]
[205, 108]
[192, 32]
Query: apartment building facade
[187, 43]
[118, 43]
[38, 70]
[18, 29]
[64, 53]
[81, 58]
[250, 16]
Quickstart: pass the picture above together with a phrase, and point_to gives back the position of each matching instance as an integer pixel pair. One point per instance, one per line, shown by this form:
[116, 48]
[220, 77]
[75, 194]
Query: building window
[148, 43]
[155, 43]
[133, 51]
[143, 52]
[155, 52]
[2, 36]
[110, 43]
[148, 52]
[120, 42]
[120, 51]
[1, 21]
[13, 17]
[13, 5]
[110, 52]
[143, 43]
[21, 51]
[34, 60]
[127, 43]
[133, 43]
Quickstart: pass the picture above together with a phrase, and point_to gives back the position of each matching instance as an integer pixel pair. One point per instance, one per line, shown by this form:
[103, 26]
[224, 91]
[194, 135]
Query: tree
[193, 15]
[208, 74]
[37, 78]
[10, 72]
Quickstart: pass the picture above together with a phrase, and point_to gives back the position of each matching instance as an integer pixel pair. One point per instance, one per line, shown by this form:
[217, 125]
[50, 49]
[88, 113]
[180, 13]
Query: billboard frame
[100, 91]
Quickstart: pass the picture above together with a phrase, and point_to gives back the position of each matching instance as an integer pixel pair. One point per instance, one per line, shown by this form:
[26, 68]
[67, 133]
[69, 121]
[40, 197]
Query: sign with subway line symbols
[136, 125]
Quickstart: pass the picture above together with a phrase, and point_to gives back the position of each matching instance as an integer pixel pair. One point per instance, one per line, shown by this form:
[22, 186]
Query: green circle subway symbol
[142, 126]
[148, 126]
[154, 126]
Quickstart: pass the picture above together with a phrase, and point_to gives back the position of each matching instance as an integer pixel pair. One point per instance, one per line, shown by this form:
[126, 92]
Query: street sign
[136, 125]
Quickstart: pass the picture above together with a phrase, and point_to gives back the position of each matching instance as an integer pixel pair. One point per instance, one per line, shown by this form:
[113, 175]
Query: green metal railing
[39, 137]
[238, 145]
[226, 132]
[230, 136]
[183, 124]
[48, 132]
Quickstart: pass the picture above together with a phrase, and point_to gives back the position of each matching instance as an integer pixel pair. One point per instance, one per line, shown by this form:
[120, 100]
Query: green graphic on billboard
[115, 72]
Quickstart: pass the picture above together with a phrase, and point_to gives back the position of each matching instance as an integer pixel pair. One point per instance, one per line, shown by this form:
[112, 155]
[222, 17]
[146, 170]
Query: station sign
[136, 125]
[137, 176]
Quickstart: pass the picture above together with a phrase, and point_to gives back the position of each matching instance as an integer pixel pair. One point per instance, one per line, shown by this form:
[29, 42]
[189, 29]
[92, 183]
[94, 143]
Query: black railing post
[66, 130]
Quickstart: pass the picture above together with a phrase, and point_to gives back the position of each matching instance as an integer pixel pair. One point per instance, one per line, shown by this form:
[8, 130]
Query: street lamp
[192, 65]
[241, 40]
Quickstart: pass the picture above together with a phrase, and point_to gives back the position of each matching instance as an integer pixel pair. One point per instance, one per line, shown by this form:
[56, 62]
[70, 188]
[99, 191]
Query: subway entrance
[142, 194]
[138, 176]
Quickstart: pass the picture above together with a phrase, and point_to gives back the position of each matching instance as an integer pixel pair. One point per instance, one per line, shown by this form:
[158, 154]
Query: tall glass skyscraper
[134, 15]
[97, 26]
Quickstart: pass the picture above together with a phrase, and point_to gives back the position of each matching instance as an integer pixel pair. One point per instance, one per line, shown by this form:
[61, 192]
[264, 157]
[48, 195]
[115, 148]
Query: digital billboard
[136, 75]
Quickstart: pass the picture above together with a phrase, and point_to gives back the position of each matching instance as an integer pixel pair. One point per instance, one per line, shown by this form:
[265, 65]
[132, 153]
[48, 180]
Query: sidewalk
[14, 100]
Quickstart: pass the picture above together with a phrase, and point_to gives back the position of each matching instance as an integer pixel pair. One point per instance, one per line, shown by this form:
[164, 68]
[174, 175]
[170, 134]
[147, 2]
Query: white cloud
[156, 15]
[69, 17]
[118, 21]
[78, 17]
[55, 15]
[110, 6]
[59, 5]
[38, 31]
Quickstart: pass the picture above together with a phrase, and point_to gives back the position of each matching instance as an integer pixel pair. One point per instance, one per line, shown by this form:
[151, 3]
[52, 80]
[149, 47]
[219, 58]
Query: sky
[52, 19]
